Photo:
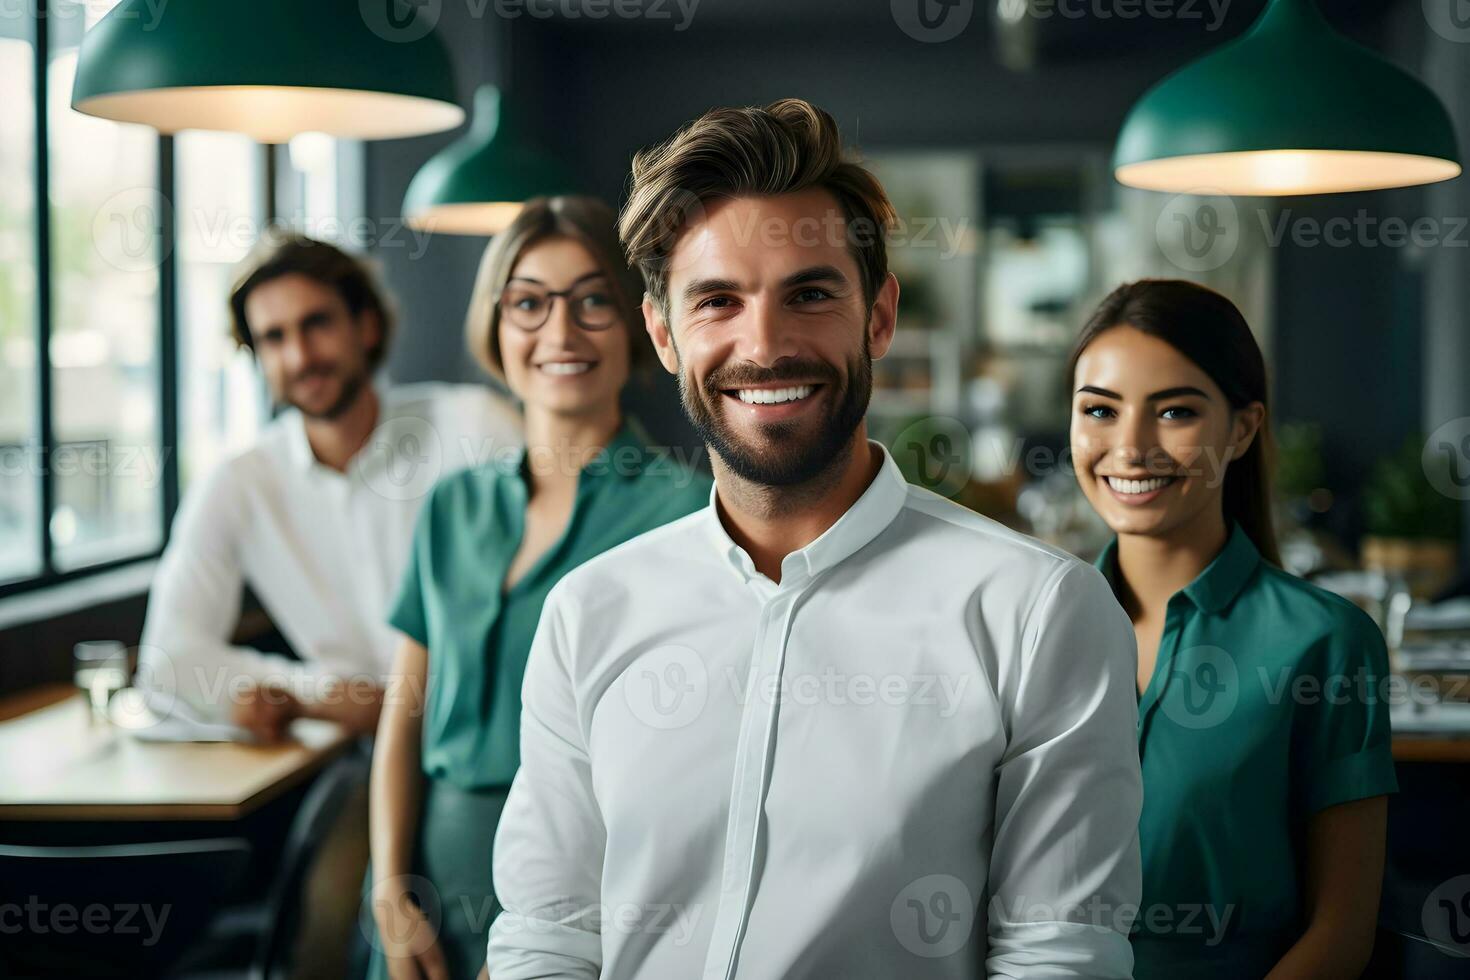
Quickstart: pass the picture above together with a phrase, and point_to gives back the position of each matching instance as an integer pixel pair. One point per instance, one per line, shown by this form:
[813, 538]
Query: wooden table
[1431, 733]
[1431, 748]
[55, 764]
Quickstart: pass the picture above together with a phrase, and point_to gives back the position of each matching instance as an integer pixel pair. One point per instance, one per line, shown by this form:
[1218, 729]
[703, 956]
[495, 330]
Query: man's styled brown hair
[785, 147]
[583, 219]
[281, 253]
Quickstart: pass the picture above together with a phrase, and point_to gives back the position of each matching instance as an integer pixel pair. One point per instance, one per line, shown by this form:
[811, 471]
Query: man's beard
[352, 385]
[791, 460]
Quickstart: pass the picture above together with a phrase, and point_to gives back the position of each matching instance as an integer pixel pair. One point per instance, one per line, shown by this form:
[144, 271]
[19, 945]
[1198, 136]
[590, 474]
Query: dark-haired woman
[1264, 740]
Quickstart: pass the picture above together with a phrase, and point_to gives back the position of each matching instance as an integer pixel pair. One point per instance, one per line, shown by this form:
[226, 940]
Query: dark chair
[124, 910]
[1409, 956]
[1402, 950]
[256, 940]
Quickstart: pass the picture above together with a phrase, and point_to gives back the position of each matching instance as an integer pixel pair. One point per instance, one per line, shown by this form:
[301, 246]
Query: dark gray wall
[1446, 392]
[595, 93]
[431, 275]
[1348, 340]
[1350, 344]
[1370, 339]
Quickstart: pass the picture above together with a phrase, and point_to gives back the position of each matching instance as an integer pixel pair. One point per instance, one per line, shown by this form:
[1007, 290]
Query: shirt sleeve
[1065, 873]
[550, 843]
[194, 608]
[1342, 741]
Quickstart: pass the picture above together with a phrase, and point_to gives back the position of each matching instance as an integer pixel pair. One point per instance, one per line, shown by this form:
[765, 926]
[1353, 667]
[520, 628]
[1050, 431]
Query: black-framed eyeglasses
[527, 307]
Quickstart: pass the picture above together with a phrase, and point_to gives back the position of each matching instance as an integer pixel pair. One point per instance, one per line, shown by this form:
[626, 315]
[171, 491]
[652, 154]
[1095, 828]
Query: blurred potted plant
[1302, 499]
[1411, 527]
[1299, 466]
[920, 307]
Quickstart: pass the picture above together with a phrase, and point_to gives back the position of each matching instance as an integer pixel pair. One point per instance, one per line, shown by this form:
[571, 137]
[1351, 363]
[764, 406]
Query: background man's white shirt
[914, 757]
[322, 550]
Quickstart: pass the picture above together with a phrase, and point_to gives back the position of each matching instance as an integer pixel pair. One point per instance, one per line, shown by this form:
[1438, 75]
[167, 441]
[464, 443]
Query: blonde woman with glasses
[555, 316]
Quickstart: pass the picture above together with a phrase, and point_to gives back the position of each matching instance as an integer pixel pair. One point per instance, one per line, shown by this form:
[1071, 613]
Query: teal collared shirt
[452, 599]
[1267, 704]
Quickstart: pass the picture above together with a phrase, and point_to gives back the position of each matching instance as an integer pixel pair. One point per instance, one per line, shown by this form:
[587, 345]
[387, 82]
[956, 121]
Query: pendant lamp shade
[478, 184]
[1291, 107]
[268, 68]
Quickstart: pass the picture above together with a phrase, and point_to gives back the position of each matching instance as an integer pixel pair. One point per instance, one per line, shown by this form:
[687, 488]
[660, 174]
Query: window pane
[219, 192]
[319, 190]
[105, 250]
[20, 553]
[310, 185]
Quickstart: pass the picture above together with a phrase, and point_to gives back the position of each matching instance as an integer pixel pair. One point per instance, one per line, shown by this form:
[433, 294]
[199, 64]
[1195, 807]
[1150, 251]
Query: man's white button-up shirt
[913, 757]
[323, 550]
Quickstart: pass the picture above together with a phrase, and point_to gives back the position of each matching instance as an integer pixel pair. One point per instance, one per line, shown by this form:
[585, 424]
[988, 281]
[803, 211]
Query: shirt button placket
[758, 725]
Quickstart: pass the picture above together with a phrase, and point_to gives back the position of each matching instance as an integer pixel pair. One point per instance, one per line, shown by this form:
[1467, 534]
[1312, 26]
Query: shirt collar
[1221, 581]
[879, 504]
[298, 446]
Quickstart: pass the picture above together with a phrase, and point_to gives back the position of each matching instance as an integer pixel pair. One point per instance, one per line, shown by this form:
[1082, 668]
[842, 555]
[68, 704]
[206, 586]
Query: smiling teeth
[774, 396]
[1139, 486]
[566, 367]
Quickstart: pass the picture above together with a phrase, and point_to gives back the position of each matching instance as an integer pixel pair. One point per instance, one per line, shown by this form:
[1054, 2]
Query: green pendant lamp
[268, 68]
[477, 184]
[1291, 107]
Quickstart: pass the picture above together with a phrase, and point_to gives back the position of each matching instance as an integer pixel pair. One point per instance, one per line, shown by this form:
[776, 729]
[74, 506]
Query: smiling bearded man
[831, 725]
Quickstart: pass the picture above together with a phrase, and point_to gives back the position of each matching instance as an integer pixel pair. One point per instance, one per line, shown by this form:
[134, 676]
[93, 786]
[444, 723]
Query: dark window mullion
[269, 179]
[44, 429]
[168, 336]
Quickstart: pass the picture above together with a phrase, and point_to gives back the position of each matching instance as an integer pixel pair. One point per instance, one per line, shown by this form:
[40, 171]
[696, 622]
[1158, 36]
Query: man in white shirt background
[316, 517]
[831, 725]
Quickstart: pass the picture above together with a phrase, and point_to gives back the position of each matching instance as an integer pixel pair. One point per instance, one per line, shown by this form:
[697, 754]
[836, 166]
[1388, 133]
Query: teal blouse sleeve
[407, 614]
[1344, 742]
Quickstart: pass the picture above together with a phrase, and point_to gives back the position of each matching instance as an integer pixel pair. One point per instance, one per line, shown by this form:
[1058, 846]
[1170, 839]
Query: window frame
[167, 337]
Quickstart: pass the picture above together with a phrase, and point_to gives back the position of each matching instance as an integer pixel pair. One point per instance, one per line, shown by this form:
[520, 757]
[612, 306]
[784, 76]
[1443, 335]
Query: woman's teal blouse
[1266, 706]
[478, 636]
